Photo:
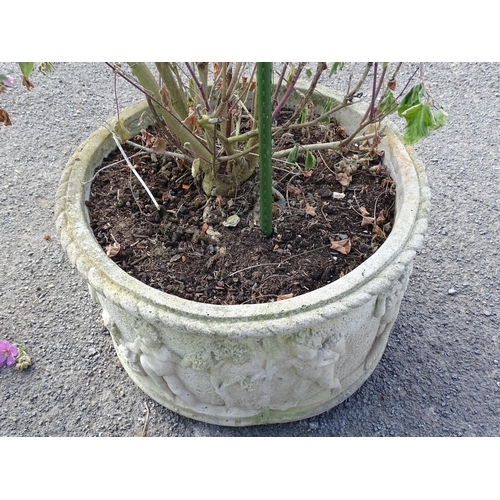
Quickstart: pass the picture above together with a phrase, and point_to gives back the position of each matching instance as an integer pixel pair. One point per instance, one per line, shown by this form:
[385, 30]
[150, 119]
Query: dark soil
[187, 248]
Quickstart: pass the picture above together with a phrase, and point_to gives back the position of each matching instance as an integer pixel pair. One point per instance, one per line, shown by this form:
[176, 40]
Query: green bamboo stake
[264, 109]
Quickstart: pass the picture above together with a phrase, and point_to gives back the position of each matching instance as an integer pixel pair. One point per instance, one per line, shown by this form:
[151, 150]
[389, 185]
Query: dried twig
[119, 162]
[146, 420]
[152, 151]
[133, 169]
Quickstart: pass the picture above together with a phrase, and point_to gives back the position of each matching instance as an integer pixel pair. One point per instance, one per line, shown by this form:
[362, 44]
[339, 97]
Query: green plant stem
[149, 84]
[202, 85]
[177, 97]
[264, 109]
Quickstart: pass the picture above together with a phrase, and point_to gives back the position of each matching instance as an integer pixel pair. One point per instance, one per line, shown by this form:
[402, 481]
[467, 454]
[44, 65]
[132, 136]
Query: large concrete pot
[249, 364]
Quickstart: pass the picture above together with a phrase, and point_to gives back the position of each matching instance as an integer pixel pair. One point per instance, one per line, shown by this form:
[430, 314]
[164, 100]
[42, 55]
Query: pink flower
[8, 353]
[8, 81]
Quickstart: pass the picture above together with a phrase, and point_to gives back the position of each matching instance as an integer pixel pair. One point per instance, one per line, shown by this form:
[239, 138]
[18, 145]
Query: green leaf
[335, 67]
[293, 156]
[419, 123]
[310, 160]
[440, 118]
[195, 167]
[412, 98]
[327, 107]
[308, 72]
[291, 74]
[388, 104]
[302, 116]
[26, 68]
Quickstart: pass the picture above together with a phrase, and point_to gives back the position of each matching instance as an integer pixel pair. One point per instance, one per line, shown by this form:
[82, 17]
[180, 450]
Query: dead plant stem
[133, 169]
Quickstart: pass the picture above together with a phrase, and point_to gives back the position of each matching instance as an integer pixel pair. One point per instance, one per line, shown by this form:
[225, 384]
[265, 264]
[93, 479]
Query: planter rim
[333, 299]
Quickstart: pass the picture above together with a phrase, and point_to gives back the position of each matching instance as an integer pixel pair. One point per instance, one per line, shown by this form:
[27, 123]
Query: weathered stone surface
[250, 364]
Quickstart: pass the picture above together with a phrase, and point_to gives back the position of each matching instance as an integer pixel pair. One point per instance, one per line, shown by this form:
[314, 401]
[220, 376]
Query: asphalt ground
[440, 374]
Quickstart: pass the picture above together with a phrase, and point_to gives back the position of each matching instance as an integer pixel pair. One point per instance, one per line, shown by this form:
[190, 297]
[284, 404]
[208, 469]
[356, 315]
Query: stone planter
[249, 364]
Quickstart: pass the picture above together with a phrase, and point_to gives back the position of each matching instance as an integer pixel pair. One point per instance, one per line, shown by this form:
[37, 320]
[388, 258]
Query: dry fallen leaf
[212, 233]
[341, 246]
[112, 250]
[310, 210]
[192, 119]
[165, 99]
[276, 210]
[310, 108]
[147, 138]
[343, 179]
[364, 146]
[380, 218]
[293, 190]
[376, 140]
[377, 152]
[378, 232]
[285, 296]
[4, 117]
[27, 83]
[387, 183]
[366, 217]
[375, 169]
[159, 145]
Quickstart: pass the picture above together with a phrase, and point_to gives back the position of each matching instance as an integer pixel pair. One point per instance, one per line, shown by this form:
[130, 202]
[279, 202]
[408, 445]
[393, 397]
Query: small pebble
[452, 291]
[486, 312]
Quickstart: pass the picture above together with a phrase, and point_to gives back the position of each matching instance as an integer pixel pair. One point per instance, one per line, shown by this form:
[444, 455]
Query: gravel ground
[440, 374]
